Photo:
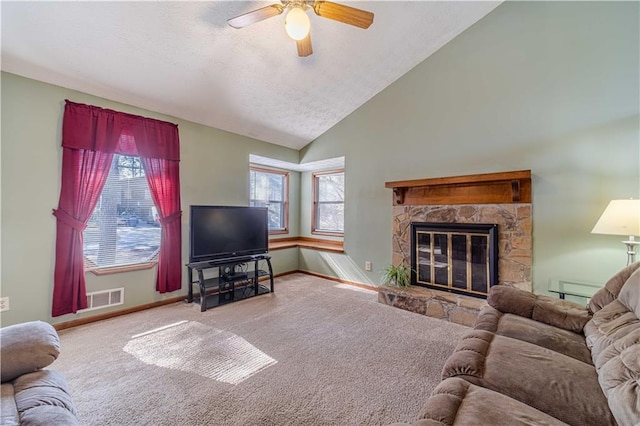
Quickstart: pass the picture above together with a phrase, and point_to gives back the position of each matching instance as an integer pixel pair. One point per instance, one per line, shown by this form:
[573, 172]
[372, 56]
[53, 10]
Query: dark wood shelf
[487, 188]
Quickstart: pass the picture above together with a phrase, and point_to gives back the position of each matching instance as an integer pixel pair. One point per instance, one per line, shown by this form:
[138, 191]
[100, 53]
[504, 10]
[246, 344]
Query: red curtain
[91, 127]
[84, 174]
[90, 137]
[164, 183]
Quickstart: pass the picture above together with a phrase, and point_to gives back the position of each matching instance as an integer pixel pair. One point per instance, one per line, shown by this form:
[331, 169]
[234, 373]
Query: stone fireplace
[501, 201]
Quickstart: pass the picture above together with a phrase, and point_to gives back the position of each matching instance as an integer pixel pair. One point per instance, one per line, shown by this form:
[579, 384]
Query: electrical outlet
[4, 304]
[367, 265]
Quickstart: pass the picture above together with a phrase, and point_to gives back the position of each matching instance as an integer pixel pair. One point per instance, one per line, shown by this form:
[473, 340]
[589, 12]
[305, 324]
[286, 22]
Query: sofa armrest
[558, 313]
[511, 300]
[42, 399]
[27, 347]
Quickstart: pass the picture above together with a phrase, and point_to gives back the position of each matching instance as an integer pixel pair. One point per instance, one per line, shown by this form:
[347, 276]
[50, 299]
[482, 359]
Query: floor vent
[104, 299]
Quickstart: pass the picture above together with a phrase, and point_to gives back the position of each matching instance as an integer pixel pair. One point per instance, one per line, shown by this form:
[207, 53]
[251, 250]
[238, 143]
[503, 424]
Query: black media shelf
[219, 299]
[233, 283]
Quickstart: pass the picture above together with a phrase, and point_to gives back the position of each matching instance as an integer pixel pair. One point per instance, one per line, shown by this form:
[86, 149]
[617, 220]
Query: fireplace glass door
[455, 258]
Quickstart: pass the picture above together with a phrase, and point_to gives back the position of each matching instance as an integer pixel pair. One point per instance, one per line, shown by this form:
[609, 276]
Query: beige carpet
[313, 353]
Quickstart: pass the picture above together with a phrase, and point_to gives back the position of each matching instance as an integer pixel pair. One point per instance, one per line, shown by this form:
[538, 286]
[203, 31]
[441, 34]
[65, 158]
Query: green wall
[546, 86]
[214, 169]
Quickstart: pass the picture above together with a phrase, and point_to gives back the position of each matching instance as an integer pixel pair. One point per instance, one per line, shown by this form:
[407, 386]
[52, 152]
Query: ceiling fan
[297, 22]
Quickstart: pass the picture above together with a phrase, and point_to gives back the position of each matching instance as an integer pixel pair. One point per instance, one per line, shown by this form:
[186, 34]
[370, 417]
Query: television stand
[232, 283]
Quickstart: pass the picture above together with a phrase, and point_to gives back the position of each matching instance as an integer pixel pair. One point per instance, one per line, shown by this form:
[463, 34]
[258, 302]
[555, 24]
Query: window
[328, 203]
[123, 228]
[89, 146]
[269, 188]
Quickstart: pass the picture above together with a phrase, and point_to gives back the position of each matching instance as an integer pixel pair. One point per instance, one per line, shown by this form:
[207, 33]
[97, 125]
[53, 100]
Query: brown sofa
[537, 360]
[30, 394]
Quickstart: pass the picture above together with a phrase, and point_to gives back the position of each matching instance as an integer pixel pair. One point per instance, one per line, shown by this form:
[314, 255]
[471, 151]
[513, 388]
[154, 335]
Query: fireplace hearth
[456, 257]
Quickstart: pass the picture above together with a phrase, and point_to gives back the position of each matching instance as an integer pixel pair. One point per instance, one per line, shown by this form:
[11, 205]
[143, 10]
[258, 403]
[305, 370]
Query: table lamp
[621, 217]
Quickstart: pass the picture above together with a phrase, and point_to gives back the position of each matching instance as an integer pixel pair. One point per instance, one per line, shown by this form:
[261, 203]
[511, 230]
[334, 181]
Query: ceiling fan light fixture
[297, 23]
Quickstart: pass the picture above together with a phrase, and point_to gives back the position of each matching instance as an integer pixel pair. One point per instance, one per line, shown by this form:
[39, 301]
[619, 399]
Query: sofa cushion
[619, 375]
[458, 402]
[555, 312]
[27, 347]
[42, 399]
[557, 339]
[560, 313]
[612, 322]
[556, 384]
[611, 288]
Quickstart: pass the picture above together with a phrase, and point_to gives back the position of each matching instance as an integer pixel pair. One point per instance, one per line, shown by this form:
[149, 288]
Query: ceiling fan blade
[257, 15]
[304, 46]
[345, 14]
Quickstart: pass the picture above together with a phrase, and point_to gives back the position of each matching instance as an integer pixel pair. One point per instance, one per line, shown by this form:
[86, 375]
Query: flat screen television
[218, 232]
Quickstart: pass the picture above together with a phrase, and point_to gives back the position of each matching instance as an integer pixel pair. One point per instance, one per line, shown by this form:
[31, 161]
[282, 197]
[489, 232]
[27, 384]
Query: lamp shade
[297, 23]
[621, 217]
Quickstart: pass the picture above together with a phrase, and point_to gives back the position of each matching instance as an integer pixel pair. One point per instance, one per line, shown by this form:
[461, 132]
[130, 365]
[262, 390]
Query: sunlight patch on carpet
[196, 348]
[354, 288]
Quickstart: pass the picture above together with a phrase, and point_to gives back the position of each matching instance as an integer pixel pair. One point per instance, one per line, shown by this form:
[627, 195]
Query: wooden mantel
[488, 188]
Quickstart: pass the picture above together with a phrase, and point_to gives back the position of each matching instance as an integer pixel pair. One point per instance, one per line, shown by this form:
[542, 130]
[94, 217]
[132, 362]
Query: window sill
[328, 233]
[119, 269]
[304, 242]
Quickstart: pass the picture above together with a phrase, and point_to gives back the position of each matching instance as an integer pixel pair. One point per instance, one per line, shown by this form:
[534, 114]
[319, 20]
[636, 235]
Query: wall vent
[104, 299]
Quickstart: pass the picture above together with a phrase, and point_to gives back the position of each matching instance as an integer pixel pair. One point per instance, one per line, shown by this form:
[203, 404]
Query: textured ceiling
[182, 59]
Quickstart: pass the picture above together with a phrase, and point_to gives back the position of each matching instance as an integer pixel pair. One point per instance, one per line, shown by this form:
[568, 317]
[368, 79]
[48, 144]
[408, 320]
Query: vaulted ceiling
[182, 59]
